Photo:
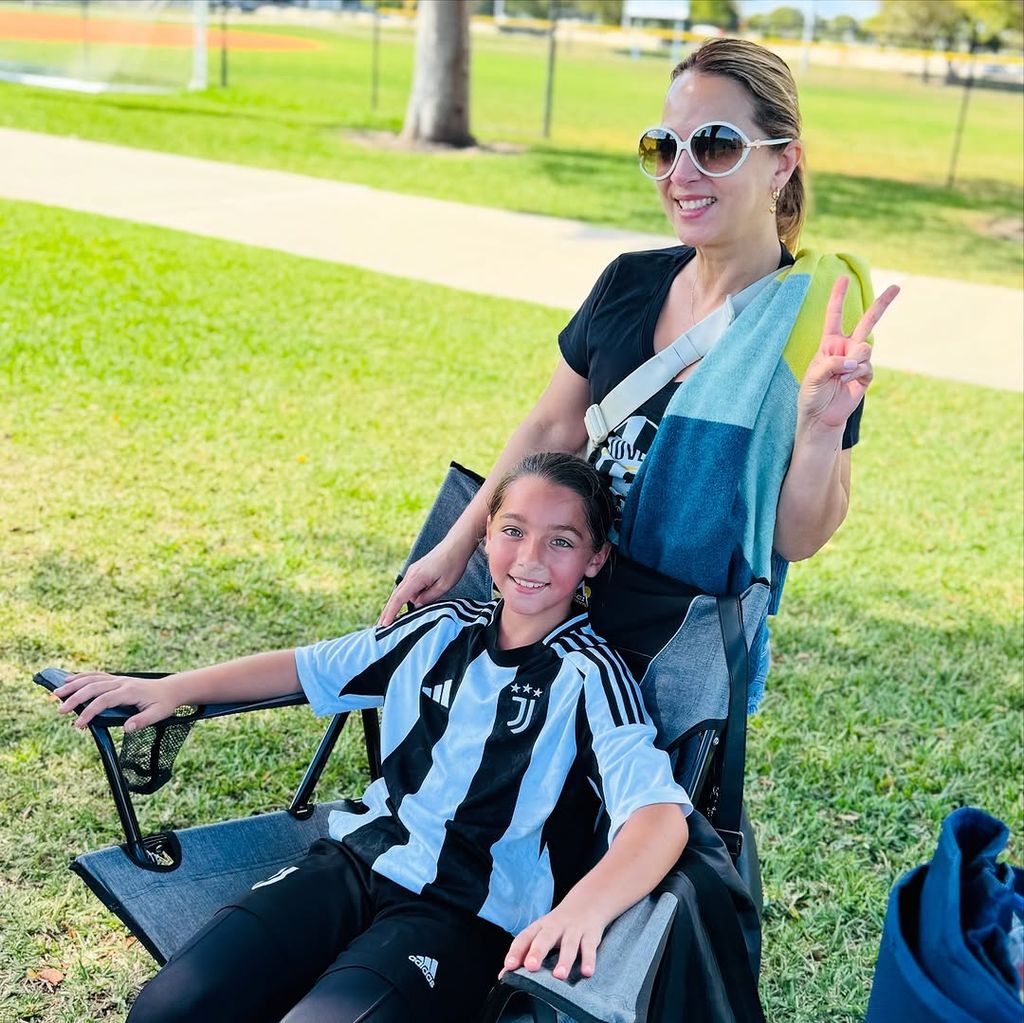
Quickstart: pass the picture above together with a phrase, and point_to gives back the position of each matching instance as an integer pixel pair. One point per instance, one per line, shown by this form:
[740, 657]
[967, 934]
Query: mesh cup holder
[147, 756]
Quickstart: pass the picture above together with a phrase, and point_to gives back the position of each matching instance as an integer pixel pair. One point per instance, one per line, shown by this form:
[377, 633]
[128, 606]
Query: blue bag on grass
[948, 946]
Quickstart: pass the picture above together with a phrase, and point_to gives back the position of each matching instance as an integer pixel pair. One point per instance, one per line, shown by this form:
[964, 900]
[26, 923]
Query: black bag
[637, 609]
[684, 953]
[708, 972]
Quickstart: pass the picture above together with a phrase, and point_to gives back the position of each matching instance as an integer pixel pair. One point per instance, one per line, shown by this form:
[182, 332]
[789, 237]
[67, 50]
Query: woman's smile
[692, 207]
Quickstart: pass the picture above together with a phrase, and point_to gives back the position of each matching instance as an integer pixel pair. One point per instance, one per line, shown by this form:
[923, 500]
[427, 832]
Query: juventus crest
[525, 704]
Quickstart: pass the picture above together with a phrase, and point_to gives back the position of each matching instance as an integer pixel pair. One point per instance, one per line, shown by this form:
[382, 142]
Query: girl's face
[714, 211]
[539, 548]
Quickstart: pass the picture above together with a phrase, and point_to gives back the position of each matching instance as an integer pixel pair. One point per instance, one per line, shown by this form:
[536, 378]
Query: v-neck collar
[660, 293]
[657, 302]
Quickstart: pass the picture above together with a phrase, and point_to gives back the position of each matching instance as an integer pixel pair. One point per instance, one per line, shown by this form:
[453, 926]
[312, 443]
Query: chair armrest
[627, 961]
[146, 758]
[115, 717]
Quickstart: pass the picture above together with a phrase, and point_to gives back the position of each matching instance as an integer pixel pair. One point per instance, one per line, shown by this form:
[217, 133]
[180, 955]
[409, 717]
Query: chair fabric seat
[219, 862]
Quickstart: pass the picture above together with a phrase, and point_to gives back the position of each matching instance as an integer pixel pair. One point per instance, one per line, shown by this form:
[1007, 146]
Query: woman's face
[706, 211]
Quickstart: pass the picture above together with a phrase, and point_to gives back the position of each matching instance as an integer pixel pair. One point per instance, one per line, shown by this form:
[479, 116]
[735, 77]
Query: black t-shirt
[612, 333]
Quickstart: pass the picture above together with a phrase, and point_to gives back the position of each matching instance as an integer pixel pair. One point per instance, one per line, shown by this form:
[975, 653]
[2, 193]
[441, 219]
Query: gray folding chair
[164, 886]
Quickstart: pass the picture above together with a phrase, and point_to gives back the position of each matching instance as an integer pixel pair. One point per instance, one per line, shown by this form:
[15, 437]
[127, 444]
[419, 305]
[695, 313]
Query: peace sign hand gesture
[841, 370]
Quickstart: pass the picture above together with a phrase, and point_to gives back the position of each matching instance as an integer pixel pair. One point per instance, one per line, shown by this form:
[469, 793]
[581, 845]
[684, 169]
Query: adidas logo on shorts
[428, 967]
[279, 876]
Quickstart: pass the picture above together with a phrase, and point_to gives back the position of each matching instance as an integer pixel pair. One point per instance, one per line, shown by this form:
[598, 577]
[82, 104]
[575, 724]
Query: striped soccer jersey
[479, 747]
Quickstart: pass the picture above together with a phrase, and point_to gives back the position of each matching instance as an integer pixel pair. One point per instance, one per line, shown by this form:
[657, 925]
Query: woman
[722, 480]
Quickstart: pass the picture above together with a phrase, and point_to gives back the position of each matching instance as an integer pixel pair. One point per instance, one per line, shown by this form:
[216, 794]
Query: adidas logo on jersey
[441, 693]
[428, 967]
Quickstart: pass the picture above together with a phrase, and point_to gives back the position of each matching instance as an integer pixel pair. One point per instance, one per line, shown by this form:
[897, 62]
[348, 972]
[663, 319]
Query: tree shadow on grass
[195, 601]
[875, 710]
[968, 232]
[897, 207]
[625, 196]
[844, 194]
[148, 108]
[78, 616]
[578, 166]
[198, 612]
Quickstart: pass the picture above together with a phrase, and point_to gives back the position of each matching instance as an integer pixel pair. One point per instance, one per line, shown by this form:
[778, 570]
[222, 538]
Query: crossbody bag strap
[733, 756]
[651, 376]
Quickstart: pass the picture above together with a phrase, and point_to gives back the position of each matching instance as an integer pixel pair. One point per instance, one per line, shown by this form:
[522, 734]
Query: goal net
[105, 45]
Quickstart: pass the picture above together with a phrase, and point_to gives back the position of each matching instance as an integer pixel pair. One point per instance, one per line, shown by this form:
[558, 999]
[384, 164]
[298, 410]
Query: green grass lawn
[194, 469]
[878, 144]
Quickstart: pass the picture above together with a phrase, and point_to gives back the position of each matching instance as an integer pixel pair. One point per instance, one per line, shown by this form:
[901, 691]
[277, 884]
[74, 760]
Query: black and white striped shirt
[481, 746]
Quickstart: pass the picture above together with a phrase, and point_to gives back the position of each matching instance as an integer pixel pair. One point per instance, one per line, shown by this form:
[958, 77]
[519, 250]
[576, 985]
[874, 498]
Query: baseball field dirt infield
[35, 26]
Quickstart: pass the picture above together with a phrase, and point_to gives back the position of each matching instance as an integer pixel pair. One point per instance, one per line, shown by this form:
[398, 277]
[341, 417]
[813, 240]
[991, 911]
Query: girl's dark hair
[567, 471]
[769, 83]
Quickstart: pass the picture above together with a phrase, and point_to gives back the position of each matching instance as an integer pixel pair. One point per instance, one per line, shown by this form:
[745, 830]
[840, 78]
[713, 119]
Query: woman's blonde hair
[768, 80]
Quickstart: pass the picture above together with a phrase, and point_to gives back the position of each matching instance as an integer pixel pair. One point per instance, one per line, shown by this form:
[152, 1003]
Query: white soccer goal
[105, 45]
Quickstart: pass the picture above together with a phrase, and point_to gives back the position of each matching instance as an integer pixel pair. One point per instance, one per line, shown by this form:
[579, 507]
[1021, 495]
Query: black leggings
[326, 940]
[210, 983]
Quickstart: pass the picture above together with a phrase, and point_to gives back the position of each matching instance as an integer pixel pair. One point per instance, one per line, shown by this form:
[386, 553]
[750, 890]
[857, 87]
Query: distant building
[674, 12]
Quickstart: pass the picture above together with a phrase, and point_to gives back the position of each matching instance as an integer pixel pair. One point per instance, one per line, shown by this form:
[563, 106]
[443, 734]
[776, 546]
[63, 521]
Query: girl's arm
[815, 494]
[258, 677]
[555, 423]
[641, 854]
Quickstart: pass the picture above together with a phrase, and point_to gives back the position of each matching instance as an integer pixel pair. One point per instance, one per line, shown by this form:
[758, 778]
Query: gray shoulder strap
[650, 377]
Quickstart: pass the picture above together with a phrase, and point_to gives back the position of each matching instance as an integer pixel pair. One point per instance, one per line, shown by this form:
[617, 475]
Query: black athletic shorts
[435, 954]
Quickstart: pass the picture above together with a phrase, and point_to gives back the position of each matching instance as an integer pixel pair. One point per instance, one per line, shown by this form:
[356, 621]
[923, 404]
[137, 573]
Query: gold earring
[775, 200]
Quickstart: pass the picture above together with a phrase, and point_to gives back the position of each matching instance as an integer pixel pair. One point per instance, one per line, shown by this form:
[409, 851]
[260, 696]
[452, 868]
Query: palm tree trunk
[438, 108]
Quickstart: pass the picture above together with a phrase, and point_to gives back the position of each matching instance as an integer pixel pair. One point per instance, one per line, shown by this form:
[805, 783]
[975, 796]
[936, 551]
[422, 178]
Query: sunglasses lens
[716, 148]
[657, 152]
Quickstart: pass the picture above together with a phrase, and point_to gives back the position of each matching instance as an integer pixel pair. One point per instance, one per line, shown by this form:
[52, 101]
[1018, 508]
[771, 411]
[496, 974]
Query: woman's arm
[641, 854]
[555, 423]
[258, 677]
[815, 494]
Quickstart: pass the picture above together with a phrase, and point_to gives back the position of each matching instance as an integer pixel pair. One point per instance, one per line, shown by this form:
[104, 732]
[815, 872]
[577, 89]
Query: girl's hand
[840, 372]
[576, 932]
[154, 697]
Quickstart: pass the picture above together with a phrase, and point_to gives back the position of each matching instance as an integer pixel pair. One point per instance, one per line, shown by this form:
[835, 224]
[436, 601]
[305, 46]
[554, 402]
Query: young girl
[497, 718]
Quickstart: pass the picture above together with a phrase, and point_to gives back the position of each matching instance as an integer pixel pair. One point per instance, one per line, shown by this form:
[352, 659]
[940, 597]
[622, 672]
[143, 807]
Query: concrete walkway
[944, 328]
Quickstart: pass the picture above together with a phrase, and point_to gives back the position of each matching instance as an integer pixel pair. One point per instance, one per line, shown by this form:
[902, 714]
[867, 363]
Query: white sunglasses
[716, 149]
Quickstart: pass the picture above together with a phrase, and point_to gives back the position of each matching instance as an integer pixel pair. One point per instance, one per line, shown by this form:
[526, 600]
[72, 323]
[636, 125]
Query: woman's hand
[555, 423]
[576, 930]
[428, 579]
[841, 371]
[154, 698]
